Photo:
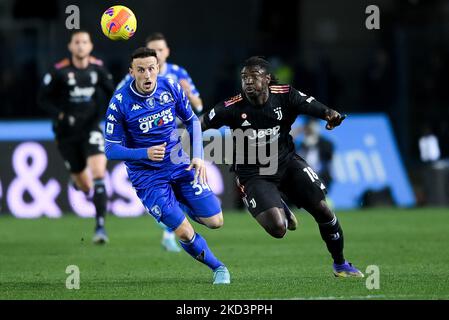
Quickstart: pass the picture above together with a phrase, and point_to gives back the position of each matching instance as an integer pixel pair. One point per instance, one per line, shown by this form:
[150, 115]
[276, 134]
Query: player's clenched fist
[334, 119]
[157, 153]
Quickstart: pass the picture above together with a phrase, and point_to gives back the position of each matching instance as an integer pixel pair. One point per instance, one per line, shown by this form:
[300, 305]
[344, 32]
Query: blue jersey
[141, 121]
[172, 71]
[135, 122]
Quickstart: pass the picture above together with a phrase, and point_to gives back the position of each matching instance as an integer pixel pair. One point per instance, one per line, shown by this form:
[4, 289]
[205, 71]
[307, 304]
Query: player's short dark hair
[76, 31]
[142, 52]
[155, 36]
[258, 61]
[262, 63]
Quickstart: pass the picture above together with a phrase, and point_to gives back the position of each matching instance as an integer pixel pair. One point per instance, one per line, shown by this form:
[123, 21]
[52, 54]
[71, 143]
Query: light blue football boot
[222, 275]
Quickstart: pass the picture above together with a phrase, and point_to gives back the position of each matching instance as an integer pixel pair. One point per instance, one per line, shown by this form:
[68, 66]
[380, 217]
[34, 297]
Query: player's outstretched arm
[308, 105]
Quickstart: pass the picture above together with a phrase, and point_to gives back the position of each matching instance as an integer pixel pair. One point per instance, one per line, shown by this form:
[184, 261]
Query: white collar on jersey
[139, 94]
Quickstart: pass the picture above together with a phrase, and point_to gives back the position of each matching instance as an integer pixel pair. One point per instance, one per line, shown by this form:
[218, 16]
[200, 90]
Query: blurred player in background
[72, 94]
[141, 130]
[317, 151]
[156, 41]
[267, 111]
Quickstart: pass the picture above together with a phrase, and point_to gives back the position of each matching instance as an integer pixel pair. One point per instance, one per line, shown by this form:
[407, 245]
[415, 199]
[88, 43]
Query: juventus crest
[278, 112]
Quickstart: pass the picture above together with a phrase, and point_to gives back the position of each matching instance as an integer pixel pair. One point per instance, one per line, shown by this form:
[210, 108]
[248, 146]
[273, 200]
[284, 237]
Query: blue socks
[198, 249]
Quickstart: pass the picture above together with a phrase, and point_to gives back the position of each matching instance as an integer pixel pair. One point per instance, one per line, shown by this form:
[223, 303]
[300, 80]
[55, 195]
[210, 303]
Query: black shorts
[76, 150]
[296, 180]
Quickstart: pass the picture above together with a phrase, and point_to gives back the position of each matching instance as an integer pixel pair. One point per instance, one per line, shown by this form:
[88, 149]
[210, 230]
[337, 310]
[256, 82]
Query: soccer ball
[118, 23]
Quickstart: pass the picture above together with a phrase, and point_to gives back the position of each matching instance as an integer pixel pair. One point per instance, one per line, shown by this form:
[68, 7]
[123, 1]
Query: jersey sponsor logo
[82, 92]
[233, 100]
[246, 123]
[165, 98]
[112, 118]
[135, 107]
[155, 120]
[278, 112]
[109, 128]
[261, 133]
[211, 114]
[112, 106]
[119, 97]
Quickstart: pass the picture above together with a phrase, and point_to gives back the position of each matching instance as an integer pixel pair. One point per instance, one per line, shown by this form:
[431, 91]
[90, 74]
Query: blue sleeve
[183, 108]
[114, 133]
[193, 127]
[115, 151]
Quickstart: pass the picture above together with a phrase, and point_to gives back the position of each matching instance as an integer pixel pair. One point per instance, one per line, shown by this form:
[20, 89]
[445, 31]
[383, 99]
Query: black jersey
[263, 126]
[79, 93]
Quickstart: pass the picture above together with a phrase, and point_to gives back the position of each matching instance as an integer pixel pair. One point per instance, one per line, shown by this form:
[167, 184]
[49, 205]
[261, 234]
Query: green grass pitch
[410, 247]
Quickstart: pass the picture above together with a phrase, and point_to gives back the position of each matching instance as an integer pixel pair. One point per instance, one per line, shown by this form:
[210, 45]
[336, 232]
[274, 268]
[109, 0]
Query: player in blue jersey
[141, 130]
[158, 42]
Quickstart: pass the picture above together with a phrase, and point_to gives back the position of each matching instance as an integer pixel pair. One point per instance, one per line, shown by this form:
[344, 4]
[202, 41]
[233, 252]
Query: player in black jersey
[72, 94]
[264, 113]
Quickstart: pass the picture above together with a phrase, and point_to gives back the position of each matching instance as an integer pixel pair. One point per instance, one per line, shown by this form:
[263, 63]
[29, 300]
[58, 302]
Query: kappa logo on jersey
[259, 134]
[112, 106]
[119, 97]
[135, 107]
[112, 118]
[165, 98]
[233, 100]
[155, 120]
[278, 112]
